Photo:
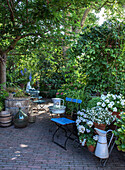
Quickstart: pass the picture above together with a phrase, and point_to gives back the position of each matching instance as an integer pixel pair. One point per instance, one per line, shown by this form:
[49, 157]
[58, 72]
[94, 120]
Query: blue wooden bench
[64, 123]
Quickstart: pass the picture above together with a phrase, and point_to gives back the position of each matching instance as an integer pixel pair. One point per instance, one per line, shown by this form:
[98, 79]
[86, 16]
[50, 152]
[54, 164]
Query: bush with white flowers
[114, 103]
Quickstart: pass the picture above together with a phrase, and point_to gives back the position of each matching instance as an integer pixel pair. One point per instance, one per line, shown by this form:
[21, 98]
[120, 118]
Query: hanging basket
[100, 126]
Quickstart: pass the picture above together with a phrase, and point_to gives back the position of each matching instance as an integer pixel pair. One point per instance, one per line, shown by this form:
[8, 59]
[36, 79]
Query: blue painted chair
[64, 123]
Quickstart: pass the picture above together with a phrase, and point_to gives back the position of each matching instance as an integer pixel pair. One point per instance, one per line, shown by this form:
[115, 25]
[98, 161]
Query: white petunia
[90, 123]
[87, 130]
[114, 109]
[103, 104]
[81, 128]
[107, 100]
[109, 105]
[78, 121]
[98, 103]
[83, 142]
[103, 97]
[106, 109]
[96, 137]
[81, 113]
[123, 102]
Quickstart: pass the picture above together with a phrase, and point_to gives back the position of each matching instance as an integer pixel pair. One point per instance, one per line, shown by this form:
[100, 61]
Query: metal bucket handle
[110, 138]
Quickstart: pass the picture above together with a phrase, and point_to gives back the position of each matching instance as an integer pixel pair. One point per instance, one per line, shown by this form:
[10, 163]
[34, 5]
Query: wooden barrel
[5, 118]
[11, 105]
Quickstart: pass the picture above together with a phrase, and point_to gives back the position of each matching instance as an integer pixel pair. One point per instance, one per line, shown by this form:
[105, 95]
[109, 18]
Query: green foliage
[91, 141]
[74, 94]
[17, 92]
[3, 95]
[93, 102]
[120, 133]
[1, 106]
[99, 53]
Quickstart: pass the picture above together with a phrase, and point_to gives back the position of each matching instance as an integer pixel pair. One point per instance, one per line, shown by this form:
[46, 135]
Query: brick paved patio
[31, 148]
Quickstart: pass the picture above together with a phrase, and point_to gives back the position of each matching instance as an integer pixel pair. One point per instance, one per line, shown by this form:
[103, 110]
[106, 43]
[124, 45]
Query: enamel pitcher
[57, 102]
[101, 150]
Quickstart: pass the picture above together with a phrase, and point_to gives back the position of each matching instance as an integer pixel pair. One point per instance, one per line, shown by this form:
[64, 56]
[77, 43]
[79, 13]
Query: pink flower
[57, 93]
[110, 46]
[62, 93]
[75, 88]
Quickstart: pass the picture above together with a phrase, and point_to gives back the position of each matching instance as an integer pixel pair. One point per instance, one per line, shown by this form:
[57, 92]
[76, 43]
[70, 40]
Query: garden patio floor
[31, 148]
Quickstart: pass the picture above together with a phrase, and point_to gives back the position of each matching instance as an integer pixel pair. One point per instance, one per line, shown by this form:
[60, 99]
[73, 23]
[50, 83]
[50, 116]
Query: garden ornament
[101, 150]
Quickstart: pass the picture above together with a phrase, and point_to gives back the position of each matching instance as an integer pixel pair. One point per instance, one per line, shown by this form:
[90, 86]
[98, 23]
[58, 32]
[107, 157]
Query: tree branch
[84, 16]
[12, 14]
[106, 2]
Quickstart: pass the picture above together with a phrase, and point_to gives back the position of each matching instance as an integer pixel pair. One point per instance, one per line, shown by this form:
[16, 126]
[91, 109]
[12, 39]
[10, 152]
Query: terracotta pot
[117, 114]
[100, 126]
[91, 148]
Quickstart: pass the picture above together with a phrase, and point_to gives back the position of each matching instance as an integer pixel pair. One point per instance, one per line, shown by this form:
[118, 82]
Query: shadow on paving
[32, 148]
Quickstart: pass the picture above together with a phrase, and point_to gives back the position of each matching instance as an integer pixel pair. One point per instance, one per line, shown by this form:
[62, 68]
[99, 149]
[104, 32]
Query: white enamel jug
[57, 102]
[101, 150]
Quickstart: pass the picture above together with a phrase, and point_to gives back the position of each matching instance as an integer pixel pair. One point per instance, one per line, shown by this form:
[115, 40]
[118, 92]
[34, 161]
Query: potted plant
[100, 116]
[120, 132]
[85, 129]
[114, 103]
[18, 96]
[91, 143]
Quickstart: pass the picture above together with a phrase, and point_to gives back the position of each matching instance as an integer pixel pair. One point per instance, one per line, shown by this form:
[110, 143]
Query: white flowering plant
[85, 129]
[100, 115]
[114, 103]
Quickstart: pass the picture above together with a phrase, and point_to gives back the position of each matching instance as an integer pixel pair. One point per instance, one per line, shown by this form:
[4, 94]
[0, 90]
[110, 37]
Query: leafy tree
[99, 53]
[36, 18]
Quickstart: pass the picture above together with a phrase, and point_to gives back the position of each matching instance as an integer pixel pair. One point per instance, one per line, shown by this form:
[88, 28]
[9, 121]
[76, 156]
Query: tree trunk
[3, 69]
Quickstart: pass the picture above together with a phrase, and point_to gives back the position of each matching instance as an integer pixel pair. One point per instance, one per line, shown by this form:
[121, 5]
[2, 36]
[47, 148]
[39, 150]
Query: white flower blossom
[90, 123]
[78, 121]
[81, 128]
[103, 97]
[87, 130]
[103, 104]
[98, 103]
[83, 142]
[107, 101]
[96, 137]
[114, 109]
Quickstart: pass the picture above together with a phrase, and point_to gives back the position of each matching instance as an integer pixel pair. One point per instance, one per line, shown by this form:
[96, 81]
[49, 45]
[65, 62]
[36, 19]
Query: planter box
[12, 105]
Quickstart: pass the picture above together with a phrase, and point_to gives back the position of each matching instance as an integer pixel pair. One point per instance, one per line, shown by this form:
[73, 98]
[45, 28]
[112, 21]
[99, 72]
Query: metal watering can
[101, 150]
[57, 102]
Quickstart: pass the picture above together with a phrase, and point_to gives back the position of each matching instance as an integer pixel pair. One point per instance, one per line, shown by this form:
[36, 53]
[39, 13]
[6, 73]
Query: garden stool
[64, 124]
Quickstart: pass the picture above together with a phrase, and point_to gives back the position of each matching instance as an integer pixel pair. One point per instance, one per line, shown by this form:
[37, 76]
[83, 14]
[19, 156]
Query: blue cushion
[63, 121]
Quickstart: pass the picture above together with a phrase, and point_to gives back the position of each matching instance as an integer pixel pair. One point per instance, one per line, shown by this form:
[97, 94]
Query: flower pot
[91, 148]
[117, 114]
[100, 126]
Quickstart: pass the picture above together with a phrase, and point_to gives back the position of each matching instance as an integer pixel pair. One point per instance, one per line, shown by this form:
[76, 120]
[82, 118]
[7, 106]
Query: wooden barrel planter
[12, 105]
[5, 118]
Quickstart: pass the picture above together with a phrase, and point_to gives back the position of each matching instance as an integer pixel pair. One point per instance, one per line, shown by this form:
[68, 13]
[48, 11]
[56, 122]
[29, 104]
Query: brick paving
[31, 148]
